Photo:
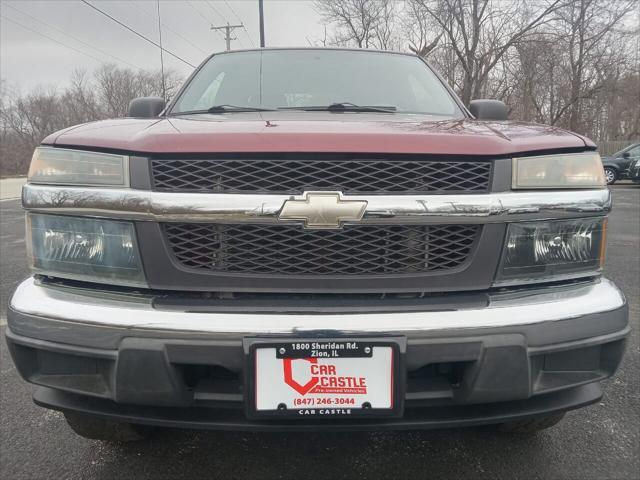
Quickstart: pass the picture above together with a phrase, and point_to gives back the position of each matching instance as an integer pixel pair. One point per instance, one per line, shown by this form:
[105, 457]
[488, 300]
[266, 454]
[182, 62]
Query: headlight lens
[536, 251]
[63, 166]
[84, 249]
[574, 170]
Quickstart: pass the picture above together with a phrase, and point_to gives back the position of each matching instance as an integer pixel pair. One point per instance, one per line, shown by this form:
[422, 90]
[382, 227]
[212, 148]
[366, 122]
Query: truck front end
[307, 269]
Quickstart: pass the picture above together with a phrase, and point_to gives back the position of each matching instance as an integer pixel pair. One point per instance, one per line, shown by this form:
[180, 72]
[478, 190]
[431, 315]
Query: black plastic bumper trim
[234, 419]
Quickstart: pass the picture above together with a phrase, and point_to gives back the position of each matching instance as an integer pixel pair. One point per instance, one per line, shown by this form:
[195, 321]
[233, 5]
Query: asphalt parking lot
[601, 441]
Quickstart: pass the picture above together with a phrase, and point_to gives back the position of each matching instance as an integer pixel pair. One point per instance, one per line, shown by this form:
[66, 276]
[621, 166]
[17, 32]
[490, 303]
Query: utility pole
[228, 29]
[261, 10]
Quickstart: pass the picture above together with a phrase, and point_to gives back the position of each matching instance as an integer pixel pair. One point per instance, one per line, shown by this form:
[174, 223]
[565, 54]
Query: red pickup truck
[315, 239]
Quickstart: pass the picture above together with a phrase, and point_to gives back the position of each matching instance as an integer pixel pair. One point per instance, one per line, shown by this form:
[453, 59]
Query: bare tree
[571, 63]
[363, 23]
[9, 143]
[385, 29]
[481, 32]
[116, 87]
[579, 71]
[79, 101]
[586, 24]
[26, 119]
[418, 29]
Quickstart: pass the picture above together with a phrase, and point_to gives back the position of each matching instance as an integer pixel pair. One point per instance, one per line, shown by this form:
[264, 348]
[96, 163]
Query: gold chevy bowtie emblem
[323, 210]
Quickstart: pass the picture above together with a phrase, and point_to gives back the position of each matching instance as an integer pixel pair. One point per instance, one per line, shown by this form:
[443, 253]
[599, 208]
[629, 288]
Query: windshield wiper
[224, 109]
[343, 107]
[234, 108]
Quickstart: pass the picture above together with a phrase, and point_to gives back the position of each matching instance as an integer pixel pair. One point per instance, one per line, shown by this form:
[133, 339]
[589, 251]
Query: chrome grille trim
[145, 205]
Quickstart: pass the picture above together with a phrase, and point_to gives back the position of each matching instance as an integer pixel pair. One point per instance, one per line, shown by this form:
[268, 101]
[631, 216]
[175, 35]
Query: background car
[616, 166]
[634, 171]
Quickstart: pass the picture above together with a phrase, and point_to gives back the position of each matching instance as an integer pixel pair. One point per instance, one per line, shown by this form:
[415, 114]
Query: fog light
[84, 249]
[536, 251]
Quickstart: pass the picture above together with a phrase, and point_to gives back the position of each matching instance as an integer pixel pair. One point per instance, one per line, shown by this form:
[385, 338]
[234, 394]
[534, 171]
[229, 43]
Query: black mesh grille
[290, 250]
[295, 176]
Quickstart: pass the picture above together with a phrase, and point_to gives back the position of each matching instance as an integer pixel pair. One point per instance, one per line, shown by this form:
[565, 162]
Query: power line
[71, 36]
[203, 17]
[137, 33]
[240, 20]
[227, 21]
[232, 11]
[52, 39]
[177, 34]
[228, 32]
[206, 19]
[248, 35]
[217, 12]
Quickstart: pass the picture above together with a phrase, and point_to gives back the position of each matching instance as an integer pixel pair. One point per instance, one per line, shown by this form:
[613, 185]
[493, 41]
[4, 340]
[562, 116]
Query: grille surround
[289, 250]
[351, 176]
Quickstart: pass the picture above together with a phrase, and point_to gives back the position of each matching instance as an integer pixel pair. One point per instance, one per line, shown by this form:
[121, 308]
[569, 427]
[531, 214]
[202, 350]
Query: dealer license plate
[325, 378]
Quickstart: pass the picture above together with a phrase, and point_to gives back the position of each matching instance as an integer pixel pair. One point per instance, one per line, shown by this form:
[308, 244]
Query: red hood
[317, 132]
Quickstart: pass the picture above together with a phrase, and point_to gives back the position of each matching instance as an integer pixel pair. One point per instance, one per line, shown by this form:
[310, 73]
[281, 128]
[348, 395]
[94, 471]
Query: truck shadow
[464, 453]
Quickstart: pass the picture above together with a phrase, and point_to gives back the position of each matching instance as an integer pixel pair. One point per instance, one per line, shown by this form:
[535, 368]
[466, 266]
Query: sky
[28, 58]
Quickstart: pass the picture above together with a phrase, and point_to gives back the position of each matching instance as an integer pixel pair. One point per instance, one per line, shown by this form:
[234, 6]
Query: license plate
[325, 378]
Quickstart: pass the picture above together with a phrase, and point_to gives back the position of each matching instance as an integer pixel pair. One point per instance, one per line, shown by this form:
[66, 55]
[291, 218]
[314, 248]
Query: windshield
[273, 79]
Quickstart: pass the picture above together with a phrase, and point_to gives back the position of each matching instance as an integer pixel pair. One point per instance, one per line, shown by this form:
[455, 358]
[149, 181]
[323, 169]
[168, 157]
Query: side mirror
[484, 109]
[626, 155]
[146, 107]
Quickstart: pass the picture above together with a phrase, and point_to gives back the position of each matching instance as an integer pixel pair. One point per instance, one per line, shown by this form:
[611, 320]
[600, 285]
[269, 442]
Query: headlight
[76, 167]
[571, 170]
[537, 251]
[103, 251]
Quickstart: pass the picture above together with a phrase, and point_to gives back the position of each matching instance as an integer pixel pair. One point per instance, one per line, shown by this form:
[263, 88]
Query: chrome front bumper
[532, 352]
[61, 312]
